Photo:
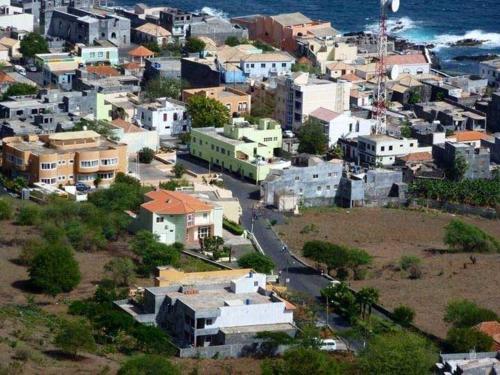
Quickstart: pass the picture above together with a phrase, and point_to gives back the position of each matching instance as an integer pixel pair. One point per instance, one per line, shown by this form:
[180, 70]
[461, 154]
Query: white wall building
[13, 17]
[413, 63]
[167, 116]
[491, 71]
[257, 65]
[342, 125]
[383, 149]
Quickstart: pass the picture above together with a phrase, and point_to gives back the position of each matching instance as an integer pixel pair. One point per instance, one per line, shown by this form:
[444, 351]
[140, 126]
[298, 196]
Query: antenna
[379, 106]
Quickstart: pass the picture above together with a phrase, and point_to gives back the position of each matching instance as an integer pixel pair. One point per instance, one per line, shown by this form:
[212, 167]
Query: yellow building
[64, 158]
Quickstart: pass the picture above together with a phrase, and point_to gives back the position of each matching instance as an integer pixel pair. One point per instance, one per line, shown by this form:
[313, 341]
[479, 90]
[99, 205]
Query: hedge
[232, 227]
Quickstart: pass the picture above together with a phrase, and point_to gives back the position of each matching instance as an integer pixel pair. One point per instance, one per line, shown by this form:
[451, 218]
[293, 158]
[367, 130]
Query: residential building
[216, 28]
[265, 65]
[471, 363]
[178, 217]
[168, 67]
[5, 81]
[326, 51]
[414, 63]
[64, 158]
[468, 137]
[493, 143]
[176, 21]
[281, 30]
[15, 17]
[210, 72]
[452, 116]
[151, 33]
[342, 125]
[338, 69]
[108, 85]
[134, 137]
[101, 51]
[300, 94]
[311, 182]
[383, 149]
[58, 69]
[4, 54]
[13, 45]
[491, 71]
[477, 159]
[77, 25]
[213, 312]
[168, 117]
[493, 109]
[237, 102]
[240, 147]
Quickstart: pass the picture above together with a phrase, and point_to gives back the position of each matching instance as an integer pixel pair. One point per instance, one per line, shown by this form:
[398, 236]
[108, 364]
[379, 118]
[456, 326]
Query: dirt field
[387, 235]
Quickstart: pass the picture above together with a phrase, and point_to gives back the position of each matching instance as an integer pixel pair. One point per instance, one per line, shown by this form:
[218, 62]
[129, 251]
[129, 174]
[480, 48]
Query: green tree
[28, 215]
[312, 137]
[465, 314]
[148, 365]
[398, 353]
[194, 45]
[232, 41]
[403, 315]
[342, 299]
[257, 261]
[153, 47]
[19, 89]
[463, 340]
[405, 131]
[162, 87]
[206, 112]
[457, 169]
[75, 336]
[32, 44]
[415, 97]
[146, 155]
[54, 270]
[121, 270]
[153, 253]
[301, 361]
[179, 170]
[366, 298]
[305, 67]
[466, 237]
[263, 46]
[5, 210]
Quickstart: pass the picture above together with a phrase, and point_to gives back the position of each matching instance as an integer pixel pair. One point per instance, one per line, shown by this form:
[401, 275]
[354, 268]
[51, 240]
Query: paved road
[301, 278]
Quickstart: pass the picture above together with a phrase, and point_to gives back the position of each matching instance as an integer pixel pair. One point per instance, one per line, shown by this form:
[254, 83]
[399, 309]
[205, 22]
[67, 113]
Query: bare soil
[388, 234]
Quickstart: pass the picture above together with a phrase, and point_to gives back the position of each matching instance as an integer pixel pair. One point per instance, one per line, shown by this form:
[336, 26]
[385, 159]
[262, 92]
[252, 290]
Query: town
[187, 193]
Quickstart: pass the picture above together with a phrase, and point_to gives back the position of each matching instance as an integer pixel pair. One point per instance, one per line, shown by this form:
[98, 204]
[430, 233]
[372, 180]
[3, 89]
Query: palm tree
[366, 297]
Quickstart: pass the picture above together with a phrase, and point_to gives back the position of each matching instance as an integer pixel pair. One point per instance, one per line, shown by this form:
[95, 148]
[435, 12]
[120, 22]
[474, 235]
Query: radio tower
[379, 107]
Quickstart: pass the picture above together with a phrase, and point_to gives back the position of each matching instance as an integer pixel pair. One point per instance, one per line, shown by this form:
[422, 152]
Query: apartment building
[491, 71]
[300, 94]
[325, 51]
[101, 52]
[411, 63]
[151, 33]
[179, 217]
[238, 102]
[265, 65]
[477, 159]
[452, 116]
[383, 149]
[213, 312]
[240, 147]
[15, 17]
[64, 158]
[58, 69]
[167, 116]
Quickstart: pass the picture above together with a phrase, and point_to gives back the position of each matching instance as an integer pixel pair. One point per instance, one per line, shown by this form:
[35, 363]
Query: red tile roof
[410, 59]
[103, 70]
[324, 114]
[469, 135]
[126, 126]
[132, 65]
[492, 329]
[141, 51]
[174, 203]
[5, 78]
[417, 156]
[351, 77]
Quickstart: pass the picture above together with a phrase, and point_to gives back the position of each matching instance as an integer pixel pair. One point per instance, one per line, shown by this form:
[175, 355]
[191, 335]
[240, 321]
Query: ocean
[434, 21]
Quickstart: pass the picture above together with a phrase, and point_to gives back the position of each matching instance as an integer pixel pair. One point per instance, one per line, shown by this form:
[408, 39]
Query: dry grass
[389, 234]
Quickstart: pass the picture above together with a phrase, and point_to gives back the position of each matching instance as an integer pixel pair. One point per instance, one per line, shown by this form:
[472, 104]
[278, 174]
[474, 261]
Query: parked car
[19, 69]
[288, 134]
[32, 68]
[328, 345]
[80, 186]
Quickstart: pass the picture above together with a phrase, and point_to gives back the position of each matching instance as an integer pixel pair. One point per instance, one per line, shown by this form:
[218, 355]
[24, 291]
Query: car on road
[288, 134]
[328, 345]
[19, 69]
[32, 68]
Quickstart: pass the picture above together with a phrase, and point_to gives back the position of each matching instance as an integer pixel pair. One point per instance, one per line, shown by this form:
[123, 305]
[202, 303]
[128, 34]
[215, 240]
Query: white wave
[490, 40]
[394, 25]
[214, 12]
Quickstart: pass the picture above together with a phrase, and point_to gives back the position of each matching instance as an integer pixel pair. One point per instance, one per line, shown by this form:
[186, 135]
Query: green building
[240, 147]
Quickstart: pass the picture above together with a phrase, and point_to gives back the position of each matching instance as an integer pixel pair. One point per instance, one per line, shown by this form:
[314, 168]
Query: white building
[263, 65]
[135, 137]
[383, 149]
[412, 63]
[342, 125]
[491, 71]
[13, 17]
[300, 94]
[167, 116]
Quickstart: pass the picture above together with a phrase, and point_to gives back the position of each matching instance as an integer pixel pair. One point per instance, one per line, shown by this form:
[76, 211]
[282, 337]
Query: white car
[288, 134]
[328, 345]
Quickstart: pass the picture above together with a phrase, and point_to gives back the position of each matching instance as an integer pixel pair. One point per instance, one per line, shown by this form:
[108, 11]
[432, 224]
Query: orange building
[238, 102]
[64, 158]
[281, 30]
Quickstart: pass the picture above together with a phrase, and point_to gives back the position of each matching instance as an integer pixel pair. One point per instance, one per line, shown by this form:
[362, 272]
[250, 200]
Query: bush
[463, 340]
[257, 261]
[232, 41]
[408, 261]
[403, 315]
[5, 210]
[54, 270]
[28, 215]
[75, 336]
[146, 155]
[469, 238]
[121, 270]
[232, 227]
[465, 314]
[148, 365]
[194, 45]
[179, 170]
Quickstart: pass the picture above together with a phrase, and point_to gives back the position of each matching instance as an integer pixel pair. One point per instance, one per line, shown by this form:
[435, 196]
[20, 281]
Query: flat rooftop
[258, 328]
[219, 135]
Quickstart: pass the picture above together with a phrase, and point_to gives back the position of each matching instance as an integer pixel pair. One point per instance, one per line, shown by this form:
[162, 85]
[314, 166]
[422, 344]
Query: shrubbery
[467, 237]
[232, 227]
[257, 261]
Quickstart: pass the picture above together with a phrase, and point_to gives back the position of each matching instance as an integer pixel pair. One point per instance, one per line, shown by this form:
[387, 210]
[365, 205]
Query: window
[283, 65]
[89, 163]
[390, 148]
[274, 65]
[112, 161]
[100, 54]
[50, 181]
[318, 189]
[86, 177]
[159, 219]
[106, 176]
[327, 187]
[315, 176]
[205, 215]
[411, 144]
[189, 220]
[255, 283]
[203, 232]
[46, 166]
[263, 65]
[297, 178]
[382, 148]
[165, 117]
[350, 127]
[252, 65]
[61, 162]
[176, 116]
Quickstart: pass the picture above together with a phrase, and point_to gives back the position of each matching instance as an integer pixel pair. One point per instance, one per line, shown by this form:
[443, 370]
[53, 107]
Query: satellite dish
[392, 5]
[394, 73]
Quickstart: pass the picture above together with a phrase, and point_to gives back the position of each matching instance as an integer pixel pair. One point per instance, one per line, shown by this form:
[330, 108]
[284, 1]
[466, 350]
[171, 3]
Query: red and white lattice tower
[379, 103]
